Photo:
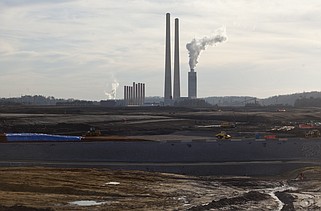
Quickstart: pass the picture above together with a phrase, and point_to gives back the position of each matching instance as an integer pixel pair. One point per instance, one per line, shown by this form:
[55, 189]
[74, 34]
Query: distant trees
[31, 100]
[283, 100]
[290, 99]
[308, 102]
[197, 103]
[306, 99]
[42, 100]
[76, 103]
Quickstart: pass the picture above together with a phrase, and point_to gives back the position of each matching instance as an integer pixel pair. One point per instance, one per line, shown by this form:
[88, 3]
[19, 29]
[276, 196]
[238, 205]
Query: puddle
[184, 200]
[86, 203]
[272, 191]
[112, 183]
[305, 203]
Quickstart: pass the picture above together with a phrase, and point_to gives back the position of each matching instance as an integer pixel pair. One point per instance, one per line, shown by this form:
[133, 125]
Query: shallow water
[87, 203]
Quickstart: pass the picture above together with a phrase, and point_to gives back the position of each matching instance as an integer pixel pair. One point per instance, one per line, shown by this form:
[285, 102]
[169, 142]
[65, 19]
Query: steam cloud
[112, 93]
[196, 46]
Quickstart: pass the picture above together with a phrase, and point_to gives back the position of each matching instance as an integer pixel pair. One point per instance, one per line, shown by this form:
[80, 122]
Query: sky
[78, 48]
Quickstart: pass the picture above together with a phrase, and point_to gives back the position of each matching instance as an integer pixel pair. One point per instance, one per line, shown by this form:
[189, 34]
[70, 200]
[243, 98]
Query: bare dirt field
[152, 121]
[38, 188]
[101, 189]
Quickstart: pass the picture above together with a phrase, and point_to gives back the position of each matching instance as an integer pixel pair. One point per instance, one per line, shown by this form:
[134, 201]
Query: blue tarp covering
[39, 137]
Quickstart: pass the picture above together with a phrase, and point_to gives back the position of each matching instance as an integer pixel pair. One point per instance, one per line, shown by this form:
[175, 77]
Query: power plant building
[134, 95]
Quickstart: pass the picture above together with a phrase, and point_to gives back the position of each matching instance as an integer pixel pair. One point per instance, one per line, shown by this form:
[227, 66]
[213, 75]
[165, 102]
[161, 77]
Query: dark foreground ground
[39, 188]
[102, 189]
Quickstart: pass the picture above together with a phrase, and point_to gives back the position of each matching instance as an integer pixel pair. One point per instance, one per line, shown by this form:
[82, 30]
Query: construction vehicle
[93, 132]
[312, 134]
[223, 135]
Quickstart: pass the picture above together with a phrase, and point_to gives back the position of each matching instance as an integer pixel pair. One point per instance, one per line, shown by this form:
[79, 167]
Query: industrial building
[134, 95]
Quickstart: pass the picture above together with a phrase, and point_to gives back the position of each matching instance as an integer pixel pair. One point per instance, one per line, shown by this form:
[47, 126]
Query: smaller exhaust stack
[192, 84]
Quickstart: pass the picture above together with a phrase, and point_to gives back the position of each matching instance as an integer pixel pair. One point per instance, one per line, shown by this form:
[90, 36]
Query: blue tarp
[39, 137]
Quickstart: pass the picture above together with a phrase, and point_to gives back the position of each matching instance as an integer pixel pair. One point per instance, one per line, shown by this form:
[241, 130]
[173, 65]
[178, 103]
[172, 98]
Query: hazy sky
[77, 48]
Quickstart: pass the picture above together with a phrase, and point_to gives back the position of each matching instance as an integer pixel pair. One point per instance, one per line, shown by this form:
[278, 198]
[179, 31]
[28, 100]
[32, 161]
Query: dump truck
[312, 134]
[223, 135]
[93, 132]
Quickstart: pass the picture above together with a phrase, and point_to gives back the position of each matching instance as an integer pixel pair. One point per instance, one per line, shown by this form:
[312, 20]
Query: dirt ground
[40, 188]
[157, 121]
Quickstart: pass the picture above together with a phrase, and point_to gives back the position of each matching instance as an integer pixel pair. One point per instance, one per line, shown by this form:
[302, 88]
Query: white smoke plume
[196, 46]
[112, 94]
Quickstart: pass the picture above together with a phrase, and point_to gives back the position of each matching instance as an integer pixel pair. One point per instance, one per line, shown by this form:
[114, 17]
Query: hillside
[288, 100]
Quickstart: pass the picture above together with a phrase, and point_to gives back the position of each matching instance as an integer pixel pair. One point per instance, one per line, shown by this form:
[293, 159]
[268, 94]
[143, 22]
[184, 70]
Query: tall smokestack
[177, 85]
[168, 79]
